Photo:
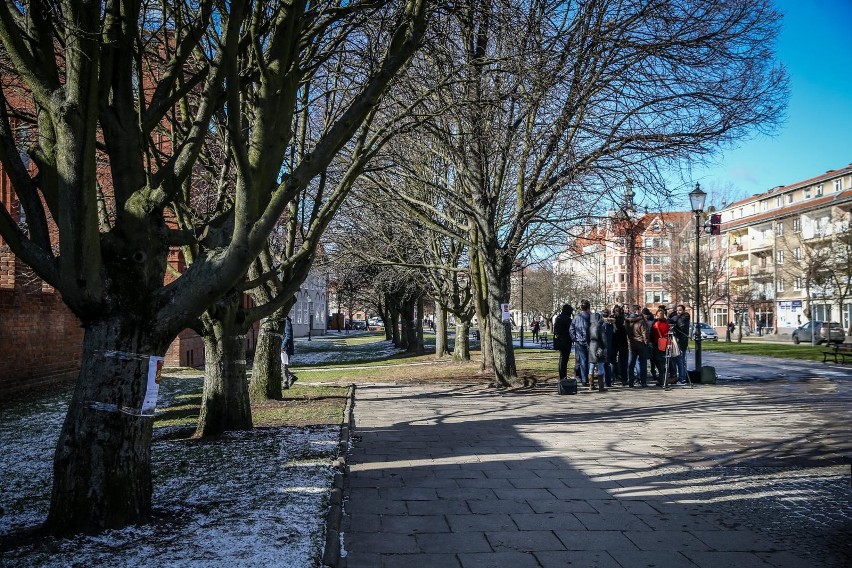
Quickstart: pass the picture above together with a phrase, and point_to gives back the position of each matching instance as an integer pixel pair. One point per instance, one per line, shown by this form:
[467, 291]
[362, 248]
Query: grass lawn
[769, 349]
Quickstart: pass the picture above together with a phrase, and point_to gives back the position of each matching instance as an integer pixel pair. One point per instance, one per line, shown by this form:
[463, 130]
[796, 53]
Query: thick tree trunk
[225, 399]
[502, 350]
[102, 464]
[461, 349]
[394, 326]
[418, 326]
[440, 331]
[266, 381]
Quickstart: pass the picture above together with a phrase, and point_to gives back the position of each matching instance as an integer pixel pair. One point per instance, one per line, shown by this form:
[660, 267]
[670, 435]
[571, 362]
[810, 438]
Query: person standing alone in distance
[562, 338]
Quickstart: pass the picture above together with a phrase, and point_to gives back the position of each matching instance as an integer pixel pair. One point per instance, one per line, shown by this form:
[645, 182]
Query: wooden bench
[543, 340]
[842, 350]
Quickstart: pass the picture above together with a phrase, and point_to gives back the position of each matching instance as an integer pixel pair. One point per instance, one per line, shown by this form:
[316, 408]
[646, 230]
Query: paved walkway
[738, 474]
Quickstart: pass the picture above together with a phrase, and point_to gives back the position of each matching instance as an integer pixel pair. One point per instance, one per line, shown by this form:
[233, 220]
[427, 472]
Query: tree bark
[225, 402]
[265, 383]
[440, 331]
[102, 463]
[461, 349]
[502, 349]
[480, 303]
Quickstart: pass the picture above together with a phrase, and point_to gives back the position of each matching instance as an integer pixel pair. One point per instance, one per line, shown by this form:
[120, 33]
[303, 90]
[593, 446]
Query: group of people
[618, 345]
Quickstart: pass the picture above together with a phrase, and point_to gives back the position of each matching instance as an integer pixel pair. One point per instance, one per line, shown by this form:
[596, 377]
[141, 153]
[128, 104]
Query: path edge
[331, 557]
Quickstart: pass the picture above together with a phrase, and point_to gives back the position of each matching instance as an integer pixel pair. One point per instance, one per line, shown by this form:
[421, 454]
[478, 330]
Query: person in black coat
[619, 354]
[562, 338]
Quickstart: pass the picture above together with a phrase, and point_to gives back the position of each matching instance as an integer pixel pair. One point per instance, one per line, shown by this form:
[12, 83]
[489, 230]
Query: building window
[797, 225]
[819, 190]
[797, 253]
[797, 283]
[779, 257]
[720, 317]
[780, 286]
[779, 229]
[838, 185]
[807, 193]
[779, 201]
[789, 198]
[764, 205]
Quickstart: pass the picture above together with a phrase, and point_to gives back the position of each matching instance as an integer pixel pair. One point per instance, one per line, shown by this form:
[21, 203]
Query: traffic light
[716, 224]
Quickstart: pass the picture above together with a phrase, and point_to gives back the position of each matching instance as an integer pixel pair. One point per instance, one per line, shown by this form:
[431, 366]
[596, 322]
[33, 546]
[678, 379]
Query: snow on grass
[254, 498]
[354, 347]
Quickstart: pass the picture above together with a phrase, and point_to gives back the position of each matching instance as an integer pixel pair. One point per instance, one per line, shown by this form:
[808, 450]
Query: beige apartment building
[788, 254]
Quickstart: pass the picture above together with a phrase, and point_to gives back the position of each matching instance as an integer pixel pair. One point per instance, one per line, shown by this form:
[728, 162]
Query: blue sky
[815, 45]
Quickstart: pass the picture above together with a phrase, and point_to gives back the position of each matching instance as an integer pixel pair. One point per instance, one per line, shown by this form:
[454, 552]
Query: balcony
[737, 250]
[739, 272]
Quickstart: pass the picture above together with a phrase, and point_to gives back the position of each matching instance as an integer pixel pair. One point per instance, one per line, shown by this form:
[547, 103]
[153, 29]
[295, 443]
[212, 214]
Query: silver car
[825, 332]
[707, 332]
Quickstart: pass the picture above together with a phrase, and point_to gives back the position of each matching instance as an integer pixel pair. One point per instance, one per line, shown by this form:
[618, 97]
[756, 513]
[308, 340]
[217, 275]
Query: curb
[331, 552]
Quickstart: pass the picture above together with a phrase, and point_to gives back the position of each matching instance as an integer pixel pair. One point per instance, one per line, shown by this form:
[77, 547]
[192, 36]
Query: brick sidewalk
[450, 475]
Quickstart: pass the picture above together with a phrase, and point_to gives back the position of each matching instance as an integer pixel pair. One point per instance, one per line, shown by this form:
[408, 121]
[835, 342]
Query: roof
[830, 174]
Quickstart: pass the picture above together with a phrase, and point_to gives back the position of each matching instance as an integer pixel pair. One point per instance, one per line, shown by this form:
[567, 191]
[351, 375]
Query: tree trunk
[102, 463]
[440, 331]
[461, 349]
[225, 399]
[393, 325]
[480, 303]
[418, 326]
[265, 381]
[498, 290]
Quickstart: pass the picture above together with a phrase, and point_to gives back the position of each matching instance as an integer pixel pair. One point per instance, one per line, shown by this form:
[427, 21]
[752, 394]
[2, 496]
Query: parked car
[707, 332]
[359, 324]
[376, 322]
[826, 332]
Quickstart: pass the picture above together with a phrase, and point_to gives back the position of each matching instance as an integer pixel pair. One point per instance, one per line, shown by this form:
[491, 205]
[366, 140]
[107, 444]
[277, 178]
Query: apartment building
[788, 253]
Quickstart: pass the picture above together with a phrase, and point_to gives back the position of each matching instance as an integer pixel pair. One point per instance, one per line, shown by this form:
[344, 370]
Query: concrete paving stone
[499, 506]
[595, 540]
[410, 524]
[522, 494]
[532, 482]
[561, 473]
[735, 540]
[438, 507]
[381, 543]
[577, 558]
[612, 521]
[505, 473]
[635, 507]
[652, 559]
[562, 492]
[375, 507]
[408, 494]
[485, 483]
[457, 542]
[499, 560]
[560, 506]
[584, 482]
[362, 560]
[524, 541]
[481, 523]
[547, 521]
[716, 559]
[467, 493]
[361, 523]
[367, 482]
[661, 522]
[534, 465]
[420, 561]
[363, 494]
[472, 472]
[785, 559]
[666, 540]
[427, 482]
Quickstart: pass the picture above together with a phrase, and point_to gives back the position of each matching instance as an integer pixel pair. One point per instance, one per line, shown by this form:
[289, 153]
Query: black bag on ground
[567, 386]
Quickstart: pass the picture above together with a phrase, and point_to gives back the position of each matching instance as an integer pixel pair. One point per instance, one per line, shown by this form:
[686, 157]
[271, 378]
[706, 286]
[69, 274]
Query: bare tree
[87, 70]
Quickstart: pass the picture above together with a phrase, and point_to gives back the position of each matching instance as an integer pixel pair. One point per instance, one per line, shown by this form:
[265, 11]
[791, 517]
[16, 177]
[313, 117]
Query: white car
[707, 332]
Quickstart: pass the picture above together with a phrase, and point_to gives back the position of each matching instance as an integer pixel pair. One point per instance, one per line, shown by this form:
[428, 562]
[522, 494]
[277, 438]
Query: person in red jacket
[659, 330]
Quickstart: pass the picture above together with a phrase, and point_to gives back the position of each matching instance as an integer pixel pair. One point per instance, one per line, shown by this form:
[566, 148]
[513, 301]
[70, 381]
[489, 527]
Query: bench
[842, 350]
[543, 341]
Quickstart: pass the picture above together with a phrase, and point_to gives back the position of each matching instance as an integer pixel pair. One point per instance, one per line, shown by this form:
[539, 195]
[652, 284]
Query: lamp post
[696, 199]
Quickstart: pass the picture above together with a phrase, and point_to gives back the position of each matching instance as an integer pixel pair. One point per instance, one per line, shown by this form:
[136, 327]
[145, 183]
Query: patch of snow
[254, 498]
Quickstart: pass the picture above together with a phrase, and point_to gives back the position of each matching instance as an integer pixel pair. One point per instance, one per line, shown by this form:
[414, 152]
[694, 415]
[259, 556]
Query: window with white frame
[779, 201]
[790, 198]
[779, 257]
[780, 285]
[819, 190]
[807, 192]
[720, 317]
[797, 283]
[838, 185]
[764, 205]
[797, 253]
[797, 225]
[779, 229]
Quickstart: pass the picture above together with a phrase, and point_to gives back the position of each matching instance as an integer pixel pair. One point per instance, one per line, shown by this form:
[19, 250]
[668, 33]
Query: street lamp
[696, 199]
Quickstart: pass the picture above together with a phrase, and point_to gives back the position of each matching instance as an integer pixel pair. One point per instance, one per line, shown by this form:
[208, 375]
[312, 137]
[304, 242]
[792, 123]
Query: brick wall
[40, 341]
